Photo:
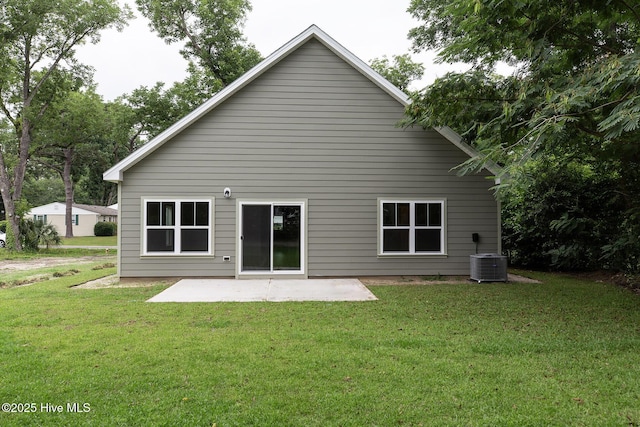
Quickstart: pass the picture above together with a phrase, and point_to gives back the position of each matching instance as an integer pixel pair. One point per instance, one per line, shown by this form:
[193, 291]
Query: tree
[196, 88]
[41, 190]
[141, 115]
[573, 99]
[67, 135]
[129, 122]
[401, 72]
[559, 217]
[37, 39]
[211, 30]
[146, 113]
[575, 70]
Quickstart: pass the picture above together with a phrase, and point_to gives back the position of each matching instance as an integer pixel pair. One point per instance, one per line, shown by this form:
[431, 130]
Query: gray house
[297, 169]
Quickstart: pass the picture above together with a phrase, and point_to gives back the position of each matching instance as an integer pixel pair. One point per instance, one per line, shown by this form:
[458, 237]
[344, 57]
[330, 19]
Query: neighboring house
[83, 217]
[298, 169]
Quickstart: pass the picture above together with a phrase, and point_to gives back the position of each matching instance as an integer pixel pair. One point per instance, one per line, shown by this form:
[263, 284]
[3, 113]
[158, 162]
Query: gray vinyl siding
[311, 127]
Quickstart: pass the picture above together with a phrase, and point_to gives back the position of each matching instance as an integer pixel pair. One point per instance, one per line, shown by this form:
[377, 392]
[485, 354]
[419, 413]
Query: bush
[105, 229]
[563, 218]
[36, 233]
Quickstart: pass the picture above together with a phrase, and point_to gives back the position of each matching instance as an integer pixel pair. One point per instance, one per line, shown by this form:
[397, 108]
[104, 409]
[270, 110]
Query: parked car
[3, 240]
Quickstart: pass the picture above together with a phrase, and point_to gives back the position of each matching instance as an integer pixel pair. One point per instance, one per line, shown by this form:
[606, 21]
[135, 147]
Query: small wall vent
[489, 268]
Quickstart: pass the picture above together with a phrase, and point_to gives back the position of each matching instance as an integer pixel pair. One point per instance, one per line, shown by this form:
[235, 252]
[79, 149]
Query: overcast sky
[136, 57]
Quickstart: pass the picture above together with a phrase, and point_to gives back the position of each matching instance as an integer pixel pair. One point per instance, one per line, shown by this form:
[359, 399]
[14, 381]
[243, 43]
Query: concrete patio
[275, 290]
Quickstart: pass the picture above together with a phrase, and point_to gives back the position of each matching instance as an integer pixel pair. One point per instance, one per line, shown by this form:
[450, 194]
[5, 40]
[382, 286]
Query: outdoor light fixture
[227, 193]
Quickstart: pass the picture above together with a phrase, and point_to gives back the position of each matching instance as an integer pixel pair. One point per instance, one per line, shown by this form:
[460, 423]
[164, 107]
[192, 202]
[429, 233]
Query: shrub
[564, 218]
[35, 233]
[105, 229]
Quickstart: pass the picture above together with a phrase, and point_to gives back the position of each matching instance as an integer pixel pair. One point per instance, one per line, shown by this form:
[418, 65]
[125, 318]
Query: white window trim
[177, 250]
[412, 227]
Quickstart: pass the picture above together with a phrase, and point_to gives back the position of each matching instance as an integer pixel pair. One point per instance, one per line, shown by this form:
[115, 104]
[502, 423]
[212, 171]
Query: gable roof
[116, 173]
[57, 208]
[100, 210]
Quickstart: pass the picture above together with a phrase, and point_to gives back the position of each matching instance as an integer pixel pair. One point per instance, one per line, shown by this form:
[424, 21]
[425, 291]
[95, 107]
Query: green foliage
[526, 32]
[576, 75]
[36, 233]
[199, 85]
[151, 110]
[43, 190]
[573, 100]
[401, 72]
[470, 103]
[47, 234]
[211, 30]
[68, 137]
[37, 44]
[623, 251]
[561, 218]
[141, 115]
[72, 121]
[105, 229]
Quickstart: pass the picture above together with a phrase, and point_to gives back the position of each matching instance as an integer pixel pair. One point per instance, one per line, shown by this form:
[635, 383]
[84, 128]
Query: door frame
[293, 274]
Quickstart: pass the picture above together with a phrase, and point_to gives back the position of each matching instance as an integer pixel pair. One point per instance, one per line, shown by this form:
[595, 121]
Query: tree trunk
[13, 220]
[12, 189]
[68, 191]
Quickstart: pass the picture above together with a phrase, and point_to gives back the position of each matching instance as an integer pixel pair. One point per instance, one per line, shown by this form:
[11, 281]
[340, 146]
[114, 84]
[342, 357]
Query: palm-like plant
[36, 233]
[47, 234]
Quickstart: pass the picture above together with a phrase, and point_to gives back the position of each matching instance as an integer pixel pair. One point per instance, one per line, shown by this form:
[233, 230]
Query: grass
[90, 241]
[564, 352]
[15, 278]
[60, 251]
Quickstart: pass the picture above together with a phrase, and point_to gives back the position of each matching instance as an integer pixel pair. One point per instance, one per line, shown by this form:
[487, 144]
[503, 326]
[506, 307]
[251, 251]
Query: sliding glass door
[271, 237]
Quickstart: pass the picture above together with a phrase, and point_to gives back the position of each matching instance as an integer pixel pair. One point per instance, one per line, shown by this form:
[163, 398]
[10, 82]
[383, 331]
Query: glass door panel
[286, 237]
[256, 237]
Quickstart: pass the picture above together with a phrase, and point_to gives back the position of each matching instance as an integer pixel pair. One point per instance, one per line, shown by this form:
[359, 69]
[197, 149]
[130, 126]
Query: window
[412, 227]
[181, 227]
[75, 219]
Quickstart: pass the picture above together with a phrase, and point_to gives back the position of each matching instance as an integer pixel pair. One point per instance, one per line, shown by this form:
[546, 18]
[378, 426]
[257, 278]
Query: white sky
[136, 57]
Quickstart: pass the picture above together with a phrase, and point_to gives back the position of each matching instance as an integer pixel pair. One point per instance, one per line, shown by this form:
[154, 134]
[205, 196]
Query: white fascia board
[456, 140]
[360, 65]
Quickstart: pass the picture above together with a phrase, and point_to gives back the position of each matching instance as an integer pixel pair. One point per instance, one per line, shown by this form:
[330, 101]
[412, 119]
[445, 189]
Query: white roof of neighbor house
[57, 208]
[101, 210]
[115, 174]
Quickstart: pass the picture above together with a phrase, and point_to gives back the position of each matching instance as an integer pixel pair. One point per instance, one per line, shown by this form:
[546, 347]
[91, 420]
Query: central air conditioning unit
[489, 268]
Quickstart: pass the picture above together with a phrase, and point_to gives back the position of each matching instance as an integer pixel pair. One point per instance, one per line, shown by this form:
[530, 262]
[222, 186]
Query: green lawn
[565, 352]
[55, 252]
[90, 241]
